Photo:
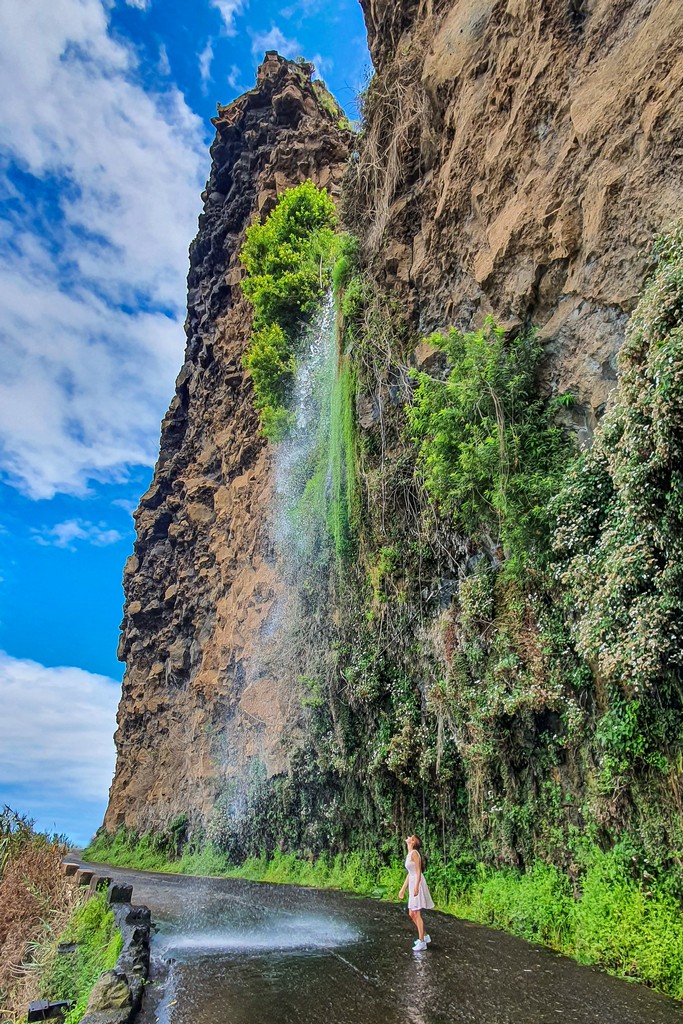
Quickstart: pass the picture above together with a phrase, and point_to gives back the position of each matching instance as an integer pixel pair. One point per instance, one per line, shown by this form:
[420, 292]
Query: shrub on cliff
[489, 452]
[273, 365]
[288, 264]
[620, 532]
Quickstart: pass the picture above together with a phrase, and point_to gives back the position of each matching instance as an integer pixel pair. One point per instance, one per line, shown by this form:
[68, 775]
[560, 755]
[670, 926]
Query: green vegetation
[489, 451]
[98, 946]
[35, 901]
[273, 365]
[288, 262]
[324, 481]
[40, 908]
[343, 511]
[345, 508]
[330, 105]
[489, 457]
[326, 511]
[621, 925]
[619, 537]
[517, 712]
[287, 257]
[558, 657]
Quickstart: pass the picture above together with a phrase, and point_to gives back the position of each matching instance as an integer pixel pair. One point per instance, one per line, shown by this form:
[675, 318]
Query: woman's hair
[418, 847]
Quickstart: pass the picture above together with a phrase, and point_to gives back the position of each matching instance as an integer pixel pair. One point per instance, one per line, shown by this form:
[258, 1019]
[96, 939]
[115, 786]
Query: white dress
[423, 900]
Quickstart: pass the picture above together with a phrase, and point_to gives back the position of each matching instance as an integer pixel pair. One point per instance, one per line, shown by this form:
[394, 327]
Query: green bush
[272, 364]
[346, 262]
[629, 927]
[620, 515]
[287, 257]
[619, 534]
[613, 921]
[489, 452]
[288, 263]
[537, 905]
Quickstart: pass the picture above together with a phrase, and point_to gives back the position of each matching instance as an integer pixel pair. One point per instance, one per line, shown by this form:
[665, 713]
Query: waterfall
[301, 521]
[304, 461]
[294, 646]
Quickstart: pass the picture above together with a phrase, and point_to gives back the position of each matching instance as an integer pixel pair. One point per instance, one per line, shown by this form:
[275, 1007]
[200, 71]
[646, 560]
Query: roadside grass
[71, 976]
[36, 901]
[607, 918]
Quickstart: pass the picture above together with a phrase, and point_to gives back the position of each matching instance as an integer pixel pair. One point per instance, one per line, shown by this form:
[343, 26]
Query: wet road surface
[233, 952]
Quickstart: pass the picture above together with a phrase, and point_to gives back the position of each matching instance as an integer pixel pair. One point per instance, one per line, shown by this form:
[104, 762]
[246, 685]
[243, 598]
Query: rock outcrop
[200, 583]
[529, 154]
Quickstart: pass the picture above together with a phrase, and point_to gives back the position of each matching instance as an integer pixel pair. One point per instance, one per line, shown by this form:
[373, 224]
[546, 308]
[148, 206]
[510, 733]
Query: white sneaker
[427, 939]
[419, 945]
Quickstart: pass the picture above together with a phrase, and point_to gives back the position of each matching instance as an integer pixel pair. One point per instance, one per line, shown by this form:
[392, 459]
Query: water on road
[233, 952]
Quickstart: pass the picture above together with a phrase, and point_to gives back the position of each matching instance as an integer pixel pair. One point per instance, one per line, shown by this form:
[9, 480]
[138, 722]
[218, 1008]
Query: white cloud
[63, 535]
[164, 64]
[56, 730]
[302, 7]
[229, 9]
[205, 61]
[234, 78]
[142, 5]
[127, 504]
[274, 39]
[93, 289]
[323, 65]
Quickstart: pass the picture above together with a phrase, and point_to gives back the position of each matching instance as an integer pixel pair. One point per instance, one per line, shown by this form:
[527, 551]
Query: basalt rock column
[200, 584]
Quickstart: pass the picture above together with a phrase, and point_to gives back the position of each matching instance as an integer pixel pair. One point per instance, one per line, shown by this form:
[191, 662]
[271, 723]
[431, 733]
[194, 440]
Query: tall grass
[35, 901]
[606, 918]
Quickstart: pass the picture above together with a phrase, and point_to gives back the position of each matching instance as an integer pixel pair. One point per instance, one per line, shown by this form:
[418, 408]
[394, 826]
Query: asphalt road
[233, 952]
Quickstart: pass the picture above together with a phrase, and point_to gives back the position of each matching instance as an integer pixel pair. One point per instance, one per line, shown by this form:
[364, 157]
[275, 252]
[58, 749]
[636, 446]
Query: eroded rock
[111, 991]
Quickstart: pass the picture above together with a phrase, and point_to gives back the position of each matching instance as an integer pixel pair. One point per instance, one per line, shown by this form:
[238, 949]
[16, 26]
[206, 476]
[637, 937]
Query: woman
[419, 898]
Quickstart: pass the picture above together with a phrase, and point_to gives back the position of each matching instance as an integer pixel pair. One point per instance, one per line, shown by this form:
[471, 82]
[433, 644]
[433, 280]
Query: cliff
[515, 160]
[201, 580]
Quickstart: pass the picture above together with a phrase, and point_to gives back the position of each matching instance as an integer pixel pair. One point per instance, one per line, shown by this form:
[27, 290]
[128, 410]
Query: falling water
[303, 475]
[272, 930]
[291, 645]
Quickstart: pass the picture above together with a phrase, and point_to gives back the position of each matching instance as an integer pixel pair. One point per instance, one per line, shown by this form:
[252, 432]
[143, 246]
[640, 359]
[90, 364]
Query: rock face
[530, 153]
[517, 159]
[200, 584]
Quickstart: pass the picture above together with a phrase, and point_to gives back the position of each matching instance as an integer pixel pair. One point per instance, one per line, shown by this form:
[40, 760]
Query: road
[234, 952]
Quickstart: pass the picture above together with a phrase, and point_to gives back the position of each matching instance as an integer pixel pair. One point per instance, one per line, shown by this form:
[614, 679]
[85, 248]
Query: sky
[105, 110]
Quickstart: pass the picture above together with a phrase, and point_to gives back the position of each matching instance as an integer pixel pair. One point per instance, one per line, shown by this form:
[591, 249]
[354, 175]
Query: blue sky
[104, 135]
